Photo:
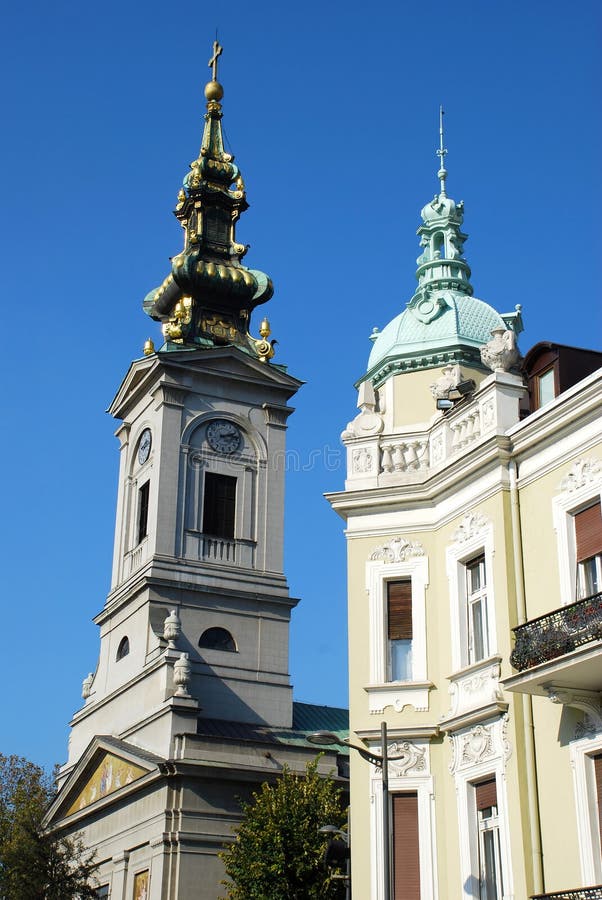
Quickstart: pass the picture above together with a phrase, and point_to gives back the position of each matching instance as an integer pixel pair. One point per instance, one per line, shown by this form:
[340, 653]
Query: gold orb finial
[149, 347]
[214, 91]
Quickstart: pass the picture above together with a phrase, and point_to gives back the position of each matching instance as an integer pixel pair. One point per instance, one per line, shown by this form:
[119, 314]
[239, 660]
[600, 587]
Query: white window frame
[564, 508]
[480, 598]
[490, 825]
[588, 829]
[422, 785]
[381, 691]
[458, 555]
[468, 825]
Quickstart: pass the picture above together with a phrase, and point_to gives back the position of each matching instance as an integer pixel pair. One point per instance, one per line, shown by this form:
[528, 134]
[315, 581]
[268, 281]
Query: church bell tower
[192, 677]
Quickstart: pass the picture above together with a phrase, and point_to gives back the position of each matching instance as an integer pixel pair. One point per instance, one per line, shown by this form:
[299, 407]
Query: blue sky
[331, 110]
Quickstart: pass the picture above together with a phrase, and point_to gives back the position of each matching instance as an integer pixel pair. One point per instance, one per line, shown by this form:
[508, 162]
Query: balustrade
[557, 633]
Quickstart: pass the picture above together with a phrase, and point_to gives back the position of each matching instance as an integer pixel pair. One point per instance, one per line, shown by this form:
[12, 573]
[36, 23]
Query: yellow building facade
[466, 469]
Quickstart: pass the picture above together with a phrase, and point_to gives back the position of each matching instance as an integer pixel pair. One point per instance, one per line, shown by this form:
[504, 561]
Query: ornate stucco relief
[471, 526]
[398, 549]
[582, 472]
[481, 743]
[361, 461]
[413, 758]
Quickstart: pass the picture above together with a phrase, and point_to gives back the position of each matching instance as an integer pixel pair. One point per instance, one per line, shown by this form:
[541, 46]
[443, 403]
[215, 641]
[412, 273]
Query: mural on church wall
[110, 774]
[141, 885]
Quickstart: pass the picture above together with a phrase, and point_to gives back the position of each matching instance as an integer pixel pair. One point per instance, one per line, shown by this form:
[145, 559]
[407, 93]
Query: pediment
[225, 362]
[107, 767]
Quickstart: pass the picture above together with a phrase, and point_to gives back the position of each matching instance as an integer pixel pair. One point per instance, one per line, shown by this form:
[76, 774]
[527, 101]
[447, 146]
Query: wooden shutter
[598, 774]
[486, 794]
[399, 610]
[406, 847]
[588, 532]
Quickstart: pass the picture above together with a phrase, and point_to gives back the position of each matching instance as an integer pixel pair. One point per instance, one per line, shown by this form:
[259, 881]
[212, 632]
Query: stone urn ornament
[172, 629]
[182, 671]
[500, 354]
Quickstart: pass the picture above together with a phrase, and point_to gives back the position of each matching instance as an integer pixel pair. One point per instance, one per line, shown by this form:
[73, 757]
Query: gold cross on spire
[217, 52]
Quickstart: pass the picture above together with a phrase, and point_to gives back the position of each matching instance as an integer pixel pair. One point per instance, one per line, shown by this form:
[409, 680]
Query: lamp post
[342, 837]
[379, 761]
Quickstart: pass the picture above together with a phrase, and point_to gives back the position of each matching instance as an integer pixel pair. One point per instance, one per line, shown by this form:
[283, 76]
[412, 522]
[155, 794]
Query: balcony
[562, 647]
[586, 893]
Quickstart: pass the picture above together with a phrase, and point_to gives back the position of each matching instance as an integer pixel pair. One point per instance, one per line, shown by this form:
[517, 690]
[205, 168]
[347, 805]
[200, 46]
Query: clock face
[224, 437]
[144, 447]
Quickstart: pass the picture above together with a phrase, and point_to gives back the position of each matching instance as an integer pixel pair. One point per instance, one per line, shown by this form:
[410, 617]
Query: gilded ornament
[149, 347]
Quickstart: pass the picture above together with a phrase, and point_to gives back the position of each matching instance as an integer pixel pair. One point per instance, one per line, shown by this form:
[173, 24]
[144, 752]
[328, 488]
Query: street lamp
[379, 761]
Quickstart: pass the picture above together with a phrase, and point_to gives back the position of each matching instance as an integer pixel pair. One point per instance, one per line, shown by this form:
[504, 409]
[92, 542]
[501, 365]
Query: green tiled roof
[307, 718]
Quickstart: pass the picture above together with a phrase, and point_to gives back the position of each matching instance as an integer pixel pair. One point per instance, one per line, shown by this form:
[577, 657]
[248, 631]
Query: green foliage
[35, 865]
[278, 851]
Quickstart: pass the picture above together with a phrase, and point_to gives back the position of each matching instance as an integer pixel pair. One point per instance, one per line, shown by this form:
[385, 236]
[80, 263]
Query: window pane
[546, 388]
[489, 883]
[401, 660]
[590, 576]
[478, 642]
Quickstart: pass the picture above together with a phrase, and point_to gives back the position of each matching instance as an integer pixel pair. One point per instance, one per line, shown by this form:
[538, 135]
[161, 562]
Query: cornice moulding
[474, 716]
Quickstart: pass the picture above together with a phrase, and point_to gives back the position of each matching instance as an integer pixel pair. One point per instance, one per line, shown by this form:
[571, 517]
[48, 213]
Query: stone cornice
[580, 403]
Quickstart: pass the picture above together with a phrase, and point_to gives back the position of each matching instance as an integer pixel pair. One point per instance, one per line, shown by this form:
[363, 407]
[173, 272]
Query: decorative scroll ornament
[264, 348]
[398, 550]
[477, 744]
[472, 525]
[409, 756]
[500, 354]
[582, 472]
[176, 328]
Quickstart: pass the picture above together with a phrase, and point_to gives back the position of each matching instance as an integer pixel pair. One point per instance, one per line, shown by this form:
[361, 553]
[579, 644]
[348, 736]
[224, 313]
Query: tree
[278, 853]
[36, 865]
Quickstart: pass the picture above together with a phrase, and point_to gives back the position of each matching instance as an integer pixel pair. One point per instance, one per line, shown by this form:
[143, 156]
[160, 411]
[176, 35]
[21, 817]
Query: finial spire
[217, 52]
[441, 153]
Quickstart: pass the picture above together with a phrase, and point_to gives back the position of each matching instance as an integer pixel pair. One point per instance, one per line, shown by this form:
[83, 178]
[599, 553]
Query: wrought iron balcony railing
[586, 893]
[555, 634]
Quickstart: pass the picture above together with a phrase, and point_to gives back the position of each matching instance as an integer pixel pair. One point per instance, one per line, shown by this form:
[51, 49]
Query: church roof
[307, 718]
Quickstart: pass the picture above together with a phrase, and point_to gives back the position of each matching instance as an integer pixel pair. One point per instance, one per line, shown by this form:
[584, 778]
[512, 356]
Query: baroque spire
[207, 298]
[441, 266]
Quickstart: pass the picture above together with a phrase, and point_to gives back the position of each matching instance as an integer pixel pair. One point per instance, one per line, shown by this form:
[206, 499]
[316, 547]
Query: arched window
[217, 639]
[439, 246]
[124, 648]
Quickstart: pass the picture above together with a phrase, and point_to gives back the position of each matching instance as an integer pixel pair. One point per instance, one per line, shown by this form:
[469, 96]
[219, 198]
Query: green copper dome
[444, 327]
[443, 323]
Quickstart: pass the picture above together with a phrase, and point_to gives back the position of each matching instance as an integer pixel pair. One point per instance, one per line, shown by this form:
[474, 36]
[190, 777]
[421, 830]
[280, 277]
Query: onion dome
[443, 323]
[208, 296]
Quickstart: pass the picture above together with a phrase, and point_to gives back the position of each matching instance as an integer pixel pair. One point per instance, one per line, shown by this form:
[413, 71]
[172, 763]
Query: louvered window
[490, 862]
[399, 630]
[406, 847]
[588, 539]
